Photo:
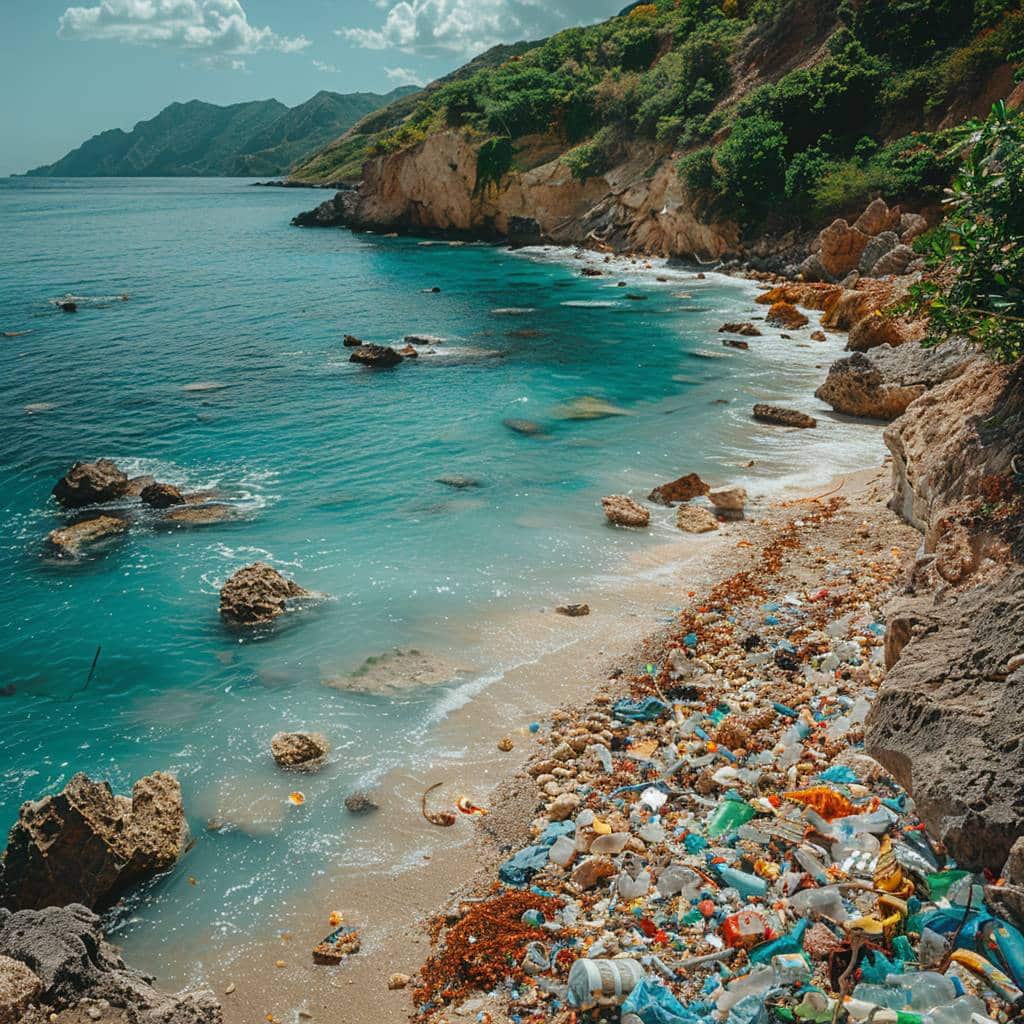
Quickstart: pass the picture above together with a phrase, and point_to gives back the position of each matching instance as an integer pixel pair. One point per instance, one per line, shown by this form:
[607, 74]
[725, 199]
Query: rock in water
[68, 541]
[375, 356]
[783, 417]
[692, 519]
[257, 594]
[64, 949]
[624, 511]
[305, 750]
[748, 330]
[91, 483]
[161, 496]
[198, 515]
[785, 314]
[359, 803]
[86, 845]
[527, 427]
[685, 488]
[351, 341]
[458, 481]
[729, 499]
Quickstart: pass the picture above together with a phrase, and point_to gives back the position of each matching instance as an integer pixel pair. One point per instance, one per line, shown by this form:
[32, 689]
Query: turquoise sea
[334, 470]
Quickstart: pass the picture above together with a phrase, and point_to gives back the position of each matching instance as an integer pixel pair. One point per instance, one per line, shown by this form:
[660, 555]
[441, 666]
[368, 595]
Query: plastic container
[745, 884]
[744, 929]
[728, 816]
[602, 982]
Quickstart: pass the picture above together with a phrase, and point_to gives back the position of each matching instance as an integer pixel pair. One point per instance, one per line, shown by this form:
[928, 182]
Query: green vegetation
[981, 242]
[493, 162]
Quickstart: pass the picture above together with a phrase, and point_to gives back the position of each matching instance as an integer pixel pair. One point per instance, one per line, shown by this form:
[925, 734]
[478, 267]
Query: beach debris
[505, 744]
[359, 803]
[686, 488]
[376, 356]
[230, 989]
[398, 981]
[257, 594]
[296, 799]
[783, 417]
[90, 483]
[466, 806]
[621, 510]
[747, 330]
[302, 750]
[443, 819]
[69, 541]
[342, 943]
[693, 519]
[573, 611]
[158, 495]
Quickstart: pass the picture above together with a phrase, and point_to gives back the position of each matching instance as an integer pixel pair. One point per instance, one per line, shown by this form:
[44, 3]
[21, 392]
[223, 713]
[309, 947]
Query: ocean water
[333, 470]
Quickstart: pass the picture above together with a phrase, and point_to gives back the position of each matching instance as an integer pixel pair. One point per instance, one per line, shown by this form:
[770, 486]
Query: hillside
[199, 139]
[687, 126]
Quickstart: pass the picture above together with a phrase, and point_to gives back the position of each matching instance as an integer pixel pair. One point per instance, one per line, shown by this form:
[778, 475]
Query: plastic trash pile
[716, 848]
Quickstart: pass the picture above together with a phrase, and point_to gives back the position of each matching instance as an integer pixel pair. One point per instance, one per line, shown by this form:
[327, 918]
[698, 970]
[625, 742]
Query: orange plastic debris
[296, 798]
[827, 802]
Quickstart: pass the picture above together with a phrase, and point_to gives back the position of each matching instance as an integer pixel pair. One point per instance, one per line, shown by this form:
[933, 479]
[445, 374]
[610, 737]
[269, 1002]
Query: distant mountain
[199, 139]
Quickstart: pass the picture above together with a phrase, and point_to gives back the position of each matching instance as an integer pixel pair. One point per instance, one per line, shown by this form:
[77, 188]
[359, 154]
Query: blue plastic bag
[653, 1003]
[646, 710]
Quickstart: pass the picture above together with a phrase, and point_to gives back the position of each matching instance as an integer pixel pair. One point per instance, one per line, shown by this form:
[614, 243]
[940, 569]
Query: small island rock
[304, 750]
[257, 594]
[624, 511]
[376, 356]
[68, 541]
[91, 483]
[158, 495]
[684, 489]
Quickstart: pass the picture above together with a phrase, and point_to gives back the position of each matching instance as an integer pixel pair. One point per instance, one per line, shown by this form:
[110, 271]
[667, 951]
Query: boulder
[947, 722]
[257, 594]
[90, 483]
[912, 225]
[685, 488]
[64, 949]
[784, 314]
[305, 750]
[624, 511]
[375, 356]
[351, 341]
[422, 340]
[729, 499]
[896, 262]
[458, 481]
[693, 519]
[743, 346]
[878, 247]
[748, 330]
[408, 352]
[198, 515]
[527, 427]
[85, 845]
[780, 417]
[813, 269]
[841, 248]
[573, 611]
[161, 496]
[882, 384]
[359, 803]
[524, 231]
[878, 218]
[19, 989]
[69, 541]
[137, 484]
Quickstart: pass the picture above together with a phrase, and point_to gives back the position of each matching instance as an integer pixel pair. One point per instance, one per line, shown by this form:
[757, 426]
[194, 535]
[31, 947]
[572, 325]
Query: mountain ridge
[194, 138]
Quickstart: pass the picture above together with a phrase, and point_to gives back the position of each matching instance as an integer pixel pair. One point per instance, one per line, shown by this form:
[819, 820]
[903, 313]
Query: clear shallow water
[335, 470]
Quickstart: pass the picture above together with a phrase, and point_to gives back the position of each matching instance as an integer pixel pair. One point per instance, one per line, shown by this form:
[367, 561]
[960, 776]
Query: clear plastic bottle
[562, 851]
[756, 983]
[925, 989]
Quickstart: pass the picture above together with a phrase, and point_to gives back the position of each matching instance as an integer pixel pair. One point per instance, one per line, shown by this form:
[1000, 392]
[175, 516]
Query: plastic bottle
[745, 884]
[756, 983]
[602, 982]
[826, 901]
[925, 989]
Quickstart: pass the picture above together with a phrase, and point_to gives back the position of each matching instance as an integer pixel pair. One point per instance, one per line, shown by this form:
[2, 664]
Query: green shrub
[493, 162]
[697, 171]
[753, 163]
[908, 31]
[595, 157]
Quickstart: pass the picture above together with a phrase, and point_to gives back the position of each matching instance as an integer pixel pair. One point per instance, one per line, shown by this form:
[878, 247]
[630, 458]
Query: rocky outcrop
[780, 417]
[19, 989]
[63, 949]
[86, 845]
[621, 510]
[305, 750]
[256, 595]
[840, 248]
[948, 720]
[69, 541]
[748, 330]
[686, 488]
[91, 483]
[198, 515]
[882, 384]
[376, 356]
[158, 495]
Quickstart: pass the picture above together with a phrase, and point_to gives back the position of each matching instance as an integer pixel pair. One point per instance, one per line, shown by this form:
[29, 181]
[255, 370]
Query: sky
[69, 72]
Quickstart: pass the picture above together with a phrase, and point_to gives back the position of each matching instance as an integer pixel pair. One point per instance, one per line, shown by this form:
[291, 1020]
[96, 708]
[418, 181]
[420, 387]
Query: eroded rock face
[70, 541]
[882, 384]
[305, 750]
[64, 949]
[878, 247]
[780, 417]
[87, 846]
[19, 988]
[685, 488]
[948, 722]
[257, 594]
[878, 218]
[841, 248]
[624, 511]
[748, 330]
[91, 483]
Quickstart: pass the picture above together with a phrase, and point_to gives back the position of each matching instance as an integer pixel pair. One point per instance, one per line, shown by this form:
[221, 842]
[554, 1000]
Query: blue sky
[68, 72]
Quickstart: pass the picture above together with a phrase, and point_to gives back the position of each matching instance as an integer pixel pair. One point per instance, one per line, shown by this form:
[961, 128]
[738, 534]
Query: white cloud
[221, 62]
[329, 69]
[434, 27]
[217, 25]
[403, 76]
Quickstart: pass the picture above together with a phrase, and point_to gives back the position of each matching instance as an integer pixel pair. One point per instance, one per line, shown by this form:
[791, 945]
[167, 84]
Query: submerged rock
[256, 595]
[748, 330]
[781, 417]
[305, 750]
[621, 510]
[458, 481]
[589, 408]
[158, 495]
[64, 950]
[359, 803]
[376, 356]
[693, 519]
[198, 515]
[91, 483]
[85, 845]
[69, 541]
[351, 341]
[686, 488]
[527, 427]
